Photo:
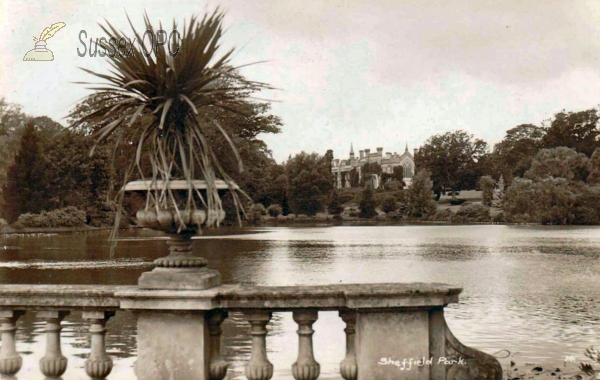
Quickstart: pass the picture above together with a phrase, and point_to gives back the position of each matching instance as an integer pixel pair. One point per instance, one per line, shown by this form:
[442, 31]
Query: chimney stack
[361, 154]
[379, 150]
[415, 150]
[367, 152]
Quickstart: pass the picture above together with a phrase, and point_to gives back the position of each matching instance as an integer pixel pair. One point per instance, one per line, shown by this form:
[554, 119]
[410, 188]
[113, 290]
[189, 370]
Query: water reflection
[531, 290]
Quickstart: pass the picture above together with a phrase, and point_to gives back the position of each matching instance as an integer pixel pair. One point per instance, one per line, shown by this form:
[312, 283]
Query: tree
[334, 206]
[354, 182]
[11, 117]
[576, 130]
[367, 170]
[486, 185]
[12, 126]
[451, 158]
[594, 168]
[547, 201]
[513, 155]
[498, 194]
[558, 162]
[74, 177]
[419, 195]
[398, 173]
[395, 185]
[309, 183]
[274, 190]
[367, 203]
[26, 188]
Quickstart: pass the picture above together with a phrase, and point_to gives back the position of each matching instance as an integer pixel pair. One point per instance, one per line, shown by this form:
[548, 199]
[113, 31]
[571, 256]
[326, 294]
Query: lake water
[534, 291]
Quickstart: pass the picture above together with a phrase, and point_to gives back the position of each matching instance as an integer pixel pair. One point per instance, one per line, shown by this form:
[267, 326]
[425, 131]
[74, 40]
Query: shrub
[457, 202]
[274, 210]
[500, 218]
[335, 207]
[585, 216]
[442, 215]
[353, 214]
[103, 215]
[394, 185]
[389, 204]
[255, 212]
[475, 212]
[394, 215]
[347, 195]
[367, 203]
[486, 185]
[419, 195]
[548, 201]
[498, 193]
[64, 217]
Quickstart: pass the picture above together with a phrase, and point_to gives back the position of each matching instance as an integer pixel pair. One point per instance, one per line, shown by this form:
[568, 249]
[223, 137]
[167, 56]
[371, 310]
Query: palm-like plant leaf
[158, 101]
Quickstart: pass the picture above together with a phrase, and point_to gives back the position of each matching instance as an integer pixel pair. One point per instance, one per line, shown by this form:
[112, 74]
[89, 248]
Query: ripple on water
[89, 264]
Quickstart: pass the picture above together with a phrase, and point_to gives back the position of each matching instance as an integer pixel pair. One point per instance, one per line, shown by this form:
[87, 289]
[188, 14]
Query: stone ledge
[232, 297]
[323, 297]
[72, 297]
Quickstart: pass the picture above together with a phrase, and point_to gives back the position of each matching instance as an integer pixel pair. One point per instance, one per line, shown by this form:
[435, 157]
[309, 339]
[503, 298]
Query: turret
[361, 154]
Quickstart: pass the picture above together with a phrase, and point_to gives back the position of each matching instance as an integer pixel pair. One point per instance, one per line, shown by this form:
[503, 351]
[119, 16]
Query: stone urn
[181, 269]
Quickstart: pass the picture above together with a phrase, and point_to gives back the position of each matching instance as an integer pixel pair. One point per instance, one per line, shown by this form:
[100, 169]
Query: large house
[341, 168]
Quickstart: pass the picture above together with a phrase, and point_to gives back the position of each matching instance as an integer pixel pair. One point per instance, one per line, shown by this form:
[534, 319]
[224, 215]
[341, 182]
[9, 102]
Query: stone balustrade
[389, 327]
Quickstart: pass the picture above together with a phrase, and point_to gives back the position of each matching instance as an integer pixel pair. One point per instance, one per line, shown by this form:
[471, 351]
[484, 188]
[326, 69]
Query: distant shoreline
[7, 230]
[268, 222]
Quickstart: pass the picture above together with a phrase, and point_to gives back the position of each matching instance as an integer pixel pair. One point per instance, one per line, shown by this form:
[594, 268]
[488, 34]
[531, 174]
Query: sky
[386, 73]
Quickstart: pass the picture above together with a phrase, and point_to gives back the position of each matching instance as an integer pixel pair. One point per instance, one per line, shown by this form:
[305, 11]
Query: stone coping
[72, 297]
[231, 297]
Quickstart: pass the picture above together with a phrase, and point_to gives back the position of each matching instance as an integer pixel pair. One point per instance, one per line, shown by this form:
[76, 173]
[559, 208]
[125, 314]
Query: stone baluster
[259, 367]
[53, 364]
[305, 367]
[98, 365]
[10, 360]
[348, 366]
[218, 366]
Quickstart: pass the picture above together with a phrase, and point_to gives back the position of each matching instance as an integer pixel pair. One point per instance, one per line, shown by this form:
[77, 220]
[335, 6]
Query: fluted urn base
[180, 279]
[181, 269]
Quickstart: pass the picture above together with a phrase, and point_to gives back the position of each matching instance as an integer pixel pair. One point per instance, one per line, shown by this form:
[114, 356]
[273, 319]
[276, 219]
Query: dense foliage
[419, 195]
[65, 217]
[367, 203]
[309, 183]
[452, 159]
[27, 178]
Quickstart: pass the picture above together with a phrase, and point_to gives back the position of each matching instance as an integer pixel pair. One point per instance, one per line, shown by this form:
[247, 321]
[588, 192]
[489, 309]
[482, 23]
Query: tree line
[45, 166]
[551, 171]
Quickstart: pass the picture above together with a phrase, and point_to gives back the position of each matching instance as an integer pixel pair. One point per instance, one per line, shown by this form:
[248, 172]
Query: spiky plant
[162, 103]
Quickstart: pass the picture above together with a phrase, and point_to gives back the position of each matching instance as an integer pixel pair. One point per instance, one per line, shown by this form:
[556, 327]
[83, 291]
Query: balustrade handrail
[230, 297]
[279, 298]
[380, 319]
[61, 297]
